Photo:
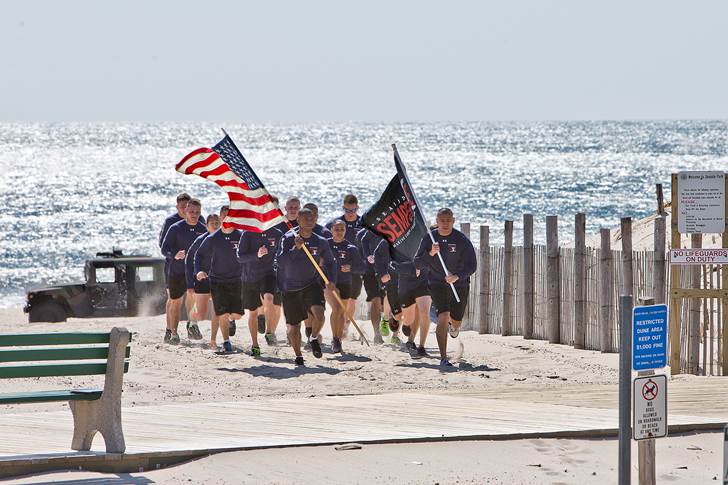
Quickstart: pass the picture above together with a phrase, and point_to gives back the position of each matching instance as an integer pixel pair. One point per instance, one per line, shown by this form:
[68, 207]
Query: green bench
[94, 410]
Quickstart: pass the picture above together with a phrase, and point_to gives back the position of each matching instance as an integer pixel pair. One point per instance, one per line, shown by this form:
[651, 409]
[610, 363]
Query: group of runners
[269, 272]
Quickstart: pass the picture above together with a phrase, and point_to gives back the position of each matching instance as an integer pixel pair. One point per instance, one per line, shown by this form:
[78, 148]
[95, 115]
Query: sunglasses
[350, 211]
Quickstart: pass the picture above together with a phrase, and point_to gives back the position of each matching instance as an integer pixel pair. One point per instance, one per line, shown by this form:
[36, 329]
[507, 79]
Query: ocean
[72, 189]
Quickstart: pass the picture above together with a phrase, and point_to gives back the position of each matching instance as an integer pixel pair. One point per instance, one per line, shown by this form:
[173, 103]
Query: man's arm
[422, 257]
[247, 252]
[168, 244]
[470, 262]
[202, 257]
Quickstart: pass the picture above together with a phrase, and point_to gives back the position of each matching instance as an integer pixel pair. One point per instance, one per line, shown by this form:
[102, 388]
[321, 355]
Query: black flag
[396, 219]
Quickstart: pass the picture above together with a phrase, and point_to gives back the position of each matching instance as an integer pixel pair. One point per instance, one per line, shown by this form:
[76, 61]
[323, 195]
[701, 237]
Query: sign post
[625, 377]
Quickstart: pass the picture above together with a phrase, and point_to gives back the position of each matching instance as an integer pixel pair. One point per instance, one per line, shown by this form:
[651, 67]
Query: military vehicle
[117, 285]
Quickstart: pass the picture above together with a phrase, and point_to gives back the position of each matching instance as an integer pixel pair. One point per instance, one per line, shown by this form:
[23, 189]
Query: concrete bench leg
[104, 414]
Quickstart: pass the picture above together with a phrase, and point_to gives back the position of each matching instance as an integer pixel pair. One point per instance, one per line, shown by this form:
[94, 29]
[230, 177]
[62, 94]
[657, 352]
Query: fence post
[696, 241]
[627, 274]
[606, 294]
[465, 229]
[529, 281]
[484, 278]
[580, 281]
[507, 323]
[660, 200]
[553, 279]
[658, 272]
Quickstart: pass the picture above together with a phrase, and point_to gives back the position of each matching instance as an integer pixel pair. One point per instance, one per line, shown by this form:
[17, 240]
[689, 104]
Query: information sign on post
[701, 202]
[650, 407]
[649, 337]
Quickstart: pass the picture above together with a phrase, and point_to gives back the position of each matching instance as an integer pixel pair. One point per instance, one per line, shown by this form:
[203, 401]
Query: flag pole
[427, 223]
[326, 282]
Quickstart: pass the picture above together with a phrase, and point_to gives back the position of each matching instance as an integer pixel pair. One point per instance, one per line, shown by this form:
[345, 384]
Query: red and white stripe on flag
[250, 210]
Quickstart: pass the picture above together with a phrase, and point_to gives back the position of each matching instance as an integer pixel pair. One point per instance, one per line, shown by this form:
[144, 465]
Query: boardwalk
[167, 433]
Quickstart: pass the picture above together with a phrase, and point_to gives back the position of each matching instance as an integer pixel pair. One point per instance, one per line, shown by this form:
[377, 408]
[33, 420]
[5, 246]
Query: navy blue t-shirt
[217, 256]
[346, 253]
[457, 252]
[190, 260]
[180, 237]
[283, 226]
[367, 243]
[294, 270]
[171, 219]
[255, 268]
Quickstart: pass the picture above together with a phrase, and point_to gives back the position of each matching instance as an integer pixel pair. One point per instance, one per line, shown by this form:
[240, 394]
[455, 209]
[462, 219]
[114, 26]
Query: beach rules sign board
[688, 256]
[701, 202]
[649, 419]
[649, 337]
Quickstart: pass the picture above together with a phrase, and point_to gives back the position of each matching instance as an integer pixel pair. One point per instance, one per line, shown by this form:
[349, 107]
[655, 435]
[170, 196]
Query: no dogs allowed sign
[650, 407]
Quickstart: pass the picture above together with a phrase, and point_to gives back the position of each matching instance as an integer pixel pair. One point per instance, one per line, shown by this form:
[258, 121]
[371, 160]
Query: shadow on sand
[274, 372]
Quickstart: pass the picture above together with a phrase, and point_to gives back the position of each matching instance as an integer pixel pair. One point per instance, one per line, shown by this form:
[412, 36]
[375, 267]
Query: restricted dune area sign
[701, 202]
[699, 256]
[650, 407]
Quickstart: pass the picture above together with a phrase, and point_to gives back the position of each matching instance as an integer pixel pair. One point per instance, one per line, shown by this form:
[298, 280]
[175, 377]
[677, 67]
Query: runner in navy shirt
[459, 255]
[201, 288]
[182, 200]
[256, 252]
[367, 242]
[217, 260]
[303, 295]
[293, 206]
[177, 241]
[350, 263]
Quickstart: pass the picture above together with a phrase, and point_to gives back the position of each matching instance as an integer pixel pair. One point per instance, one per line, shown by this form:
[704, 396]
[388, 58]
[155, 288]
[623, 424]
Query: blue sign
[649, 337]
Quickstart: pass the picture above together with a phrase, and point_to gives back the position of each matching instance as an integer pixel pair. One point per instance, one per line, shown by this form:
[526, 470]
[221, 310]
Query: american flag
[251, 207]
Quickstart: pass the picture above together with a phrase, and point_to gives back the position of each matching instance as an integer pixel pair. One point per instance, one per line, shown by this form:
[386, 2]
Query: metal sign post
[625, 381]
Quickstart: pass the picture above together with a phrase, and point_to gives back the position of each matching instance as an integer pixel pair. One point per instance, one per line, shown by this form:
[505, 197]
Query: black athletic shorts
[166, 273]
[444, 300]
[373, 286]
[251, 296]
[202, 287]
[226, 297]
[355, 286]
[267, 284]
[408, 295]
[393, 296]
[177, 284]
[344, 291]
[297, 304]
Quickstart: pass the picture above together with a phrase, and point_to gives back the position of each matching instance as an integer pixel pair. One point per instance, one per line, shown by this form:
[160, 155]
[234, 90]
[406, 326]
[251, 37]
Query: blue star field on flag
[230, 154]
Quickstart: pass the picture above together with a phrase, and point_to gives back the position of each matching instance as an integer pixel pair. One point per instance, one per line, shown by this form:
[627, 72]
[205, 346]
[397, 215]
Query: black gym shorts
[444, 300]
[408, 296]
[297, 304]
[177, 284]
[355, 286]
[373, 286]
[344, 291]
[202, 287]
[226, 297]
[251, 295]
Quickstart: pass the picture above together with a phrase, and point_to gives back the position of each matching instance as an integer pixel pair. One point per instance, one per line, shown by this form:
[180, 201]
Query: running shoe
[167, 336]
[261, 323]
[270, 339]
[193, 331]
[384, 326]
[395, 339]
[316, 348]
[255, 351]
[394, 325]
[410, 347]
[378, 339]
[406, 330]
[299, 360]
[231, 327]
[445, 363]
[174, 340]
[421, 352]
[454, 332]
[336, 345]
[227, 346]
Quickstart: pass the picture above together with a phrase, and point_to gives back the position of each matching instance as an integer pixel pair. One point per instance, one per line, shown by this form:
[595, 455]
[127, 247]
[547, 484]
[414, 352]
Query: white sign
[649, 394]
[701, 202]
[699, 256]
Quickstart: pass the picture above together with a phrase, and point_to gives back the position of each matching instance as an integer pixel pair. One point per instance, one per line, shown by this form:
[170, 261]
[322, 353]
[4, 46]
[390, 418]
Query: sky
[299, 61]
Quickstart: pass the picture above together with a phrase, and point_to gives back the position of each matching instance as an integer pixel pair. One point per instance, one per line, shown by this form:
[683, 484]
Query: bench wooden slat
[49, 370]
[54, 338]
[51, 396]
[76, 353]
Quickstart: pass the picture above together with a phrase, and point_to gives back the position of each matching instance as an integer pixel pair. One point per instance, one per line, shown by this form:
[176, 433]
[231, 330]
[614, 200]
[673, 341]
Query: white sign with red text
[699, 256]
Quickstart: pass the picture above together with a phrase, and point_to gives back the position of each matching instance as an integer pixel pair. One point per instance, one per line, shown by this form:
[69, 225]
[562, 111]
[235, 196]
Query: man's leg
[189, 301]
[375, 315]
[269, 310]
[443, 319]
[423, 317]
[214, 326]
[253, 327]
[223, 319]
[408, 318]
[294, 337]
[173, 315]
